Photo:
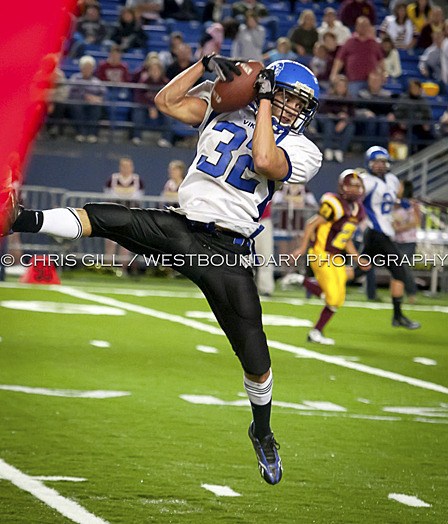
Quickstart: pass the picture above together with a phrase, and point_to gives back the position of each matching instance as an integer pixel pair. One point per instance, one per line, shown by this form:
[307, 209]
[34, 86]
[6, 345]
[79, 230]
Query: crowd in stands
[382, 66]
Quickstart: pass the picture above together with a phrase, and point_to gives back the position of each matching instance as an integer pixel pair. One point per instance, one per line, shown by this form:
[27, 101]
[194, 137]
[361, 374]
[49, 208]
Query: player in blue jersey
[241, 158]
[382, 190]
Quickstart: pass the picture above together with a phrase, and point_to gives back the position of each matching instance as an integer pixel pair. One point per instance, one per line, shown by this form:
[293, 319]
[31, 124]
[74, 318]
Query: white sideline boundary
[66, 507]
[329, 359]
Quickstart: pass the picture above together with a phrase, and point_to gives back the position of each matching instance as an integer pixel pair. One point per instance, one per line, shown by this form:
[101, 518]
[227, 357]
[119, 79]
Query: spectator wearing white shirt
[250, 39]
[392, 61]
[399, 27]
[444, 57]
[330, 24]
[430, 63]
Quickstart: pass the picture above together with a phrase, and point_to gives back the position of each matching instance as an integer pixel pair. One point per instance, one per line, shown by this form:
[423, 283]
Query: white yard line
[56, 478]
[408, 500]
[67, 507]
[221, 491]
[272, 343]
[70, 393]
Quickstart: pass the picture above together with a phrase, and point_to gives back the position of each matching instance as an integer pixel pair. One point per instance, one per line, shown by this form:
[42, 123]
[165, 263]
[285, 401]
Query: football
[234, 95]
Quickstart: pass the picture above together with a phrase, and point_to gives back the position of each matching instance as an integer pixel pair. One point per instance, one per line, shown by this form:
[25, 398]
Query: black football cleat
[269, 462]
[10, 209]
[405, 322]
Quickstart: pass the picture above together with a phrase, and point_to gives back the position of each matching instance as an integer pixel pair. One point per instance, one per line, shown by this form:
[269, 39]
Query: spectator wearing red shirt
[359, 56]
[351, 10]
[113, 69]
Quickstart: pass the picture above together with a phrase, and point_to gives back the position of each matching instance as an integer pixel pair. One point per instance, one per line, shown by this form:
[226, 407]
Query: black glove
[265, 84]
[222, 66]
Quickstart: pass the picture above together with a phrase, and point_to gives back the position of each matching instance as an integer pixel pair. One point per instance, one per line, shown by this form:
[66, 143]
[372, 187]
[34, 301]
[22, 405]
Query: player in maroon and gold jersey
[330, 232]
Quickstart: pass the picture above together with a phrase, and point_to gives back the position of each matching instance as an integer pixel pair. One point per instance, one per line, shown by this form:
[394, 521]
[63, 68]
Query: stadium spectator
[375, 109]
[82, 5]
[443, 125]
[183, 60]
[430, 62]
[331, 24]
[359, 56]
[250, 39]
[128, 189]
[392, 61]
[128, 33]
[418, 13]
[90, 29]
[113, 69]
[179, 10]
[213, 11]
[399, 27]
[406, 220]
[434, 25]
[412, 107]
[152, 74]
[282, 51]
[57, 103]
[444, 56]
[351, 10]
[87, 94]
[337, 126]
[329, 41]
[319, 62]
[240, 8]
[176, 174]
[167, 57]
[211, 41]
[146, 10]
[304, 35]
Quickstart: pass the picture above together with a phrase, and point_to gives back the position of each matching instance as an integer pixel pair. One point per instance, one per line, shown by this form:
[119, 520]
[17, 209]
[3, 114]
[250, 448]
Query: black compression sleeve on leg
[28, 221]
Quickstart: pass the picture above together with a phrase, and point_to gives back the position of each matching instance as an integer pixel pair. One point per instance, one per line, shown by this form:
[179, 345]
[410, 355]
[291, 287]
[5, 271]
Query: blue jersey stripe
[370, 212]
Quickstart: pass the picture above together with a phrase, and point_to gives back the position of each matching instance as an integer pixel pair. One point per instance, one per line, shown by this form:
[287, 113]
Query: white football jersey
[221, 185]
[379, 200]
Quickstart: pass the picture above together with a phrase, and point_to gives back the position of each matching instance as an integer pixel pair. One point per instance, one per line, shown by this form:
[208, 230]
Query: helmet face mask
[351, 186]
[377, 160]
[295, 82]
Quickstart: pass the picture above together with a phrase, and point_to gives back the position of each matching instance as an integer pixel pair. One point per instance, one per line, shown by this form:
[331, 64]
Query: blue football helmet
[377, 153]
[300, 81]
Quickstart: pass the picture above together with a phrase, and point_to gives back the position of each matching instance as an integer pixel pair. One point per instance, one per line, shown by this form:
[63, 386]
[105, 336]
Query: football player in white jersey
[382, 190]
[241, 157]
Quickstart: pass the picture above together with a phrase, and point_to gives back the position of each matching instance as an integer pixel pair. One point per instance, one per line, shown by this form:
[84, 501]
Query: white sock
[62, 222]
[259, 394]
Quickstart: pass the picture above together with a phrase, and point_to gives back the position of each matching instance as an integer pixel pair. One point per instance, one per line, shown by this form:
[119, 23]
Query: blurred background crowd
[382, 66]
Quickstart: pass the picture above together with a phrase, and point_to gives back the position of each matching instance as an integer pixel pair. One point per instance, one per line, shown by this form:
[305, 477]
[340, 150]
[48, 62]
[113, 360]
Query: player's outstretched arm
[173, 99]
[269, 160]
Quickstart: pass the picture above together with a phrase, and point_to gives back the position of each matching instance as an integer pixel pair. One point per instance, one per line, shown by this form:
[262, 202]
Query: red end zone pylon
[41, 271]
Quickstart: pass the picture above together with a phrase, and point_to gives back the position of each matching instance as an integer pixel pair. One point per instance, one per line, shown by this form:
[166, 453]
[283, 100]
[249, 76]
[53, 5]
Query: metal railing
[428, 171]
[118, 104]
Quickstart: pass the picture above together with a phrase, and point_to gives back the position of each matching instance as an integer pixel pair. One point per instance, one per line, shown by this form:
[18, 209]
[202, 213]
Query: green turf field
[357, 422]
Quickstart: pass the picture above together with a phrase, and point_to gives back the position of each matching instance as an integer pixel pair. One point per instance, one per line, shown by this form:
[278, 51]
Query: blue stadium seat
[192, 30]
[438, 106]
[70, 66]
[110, 15]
